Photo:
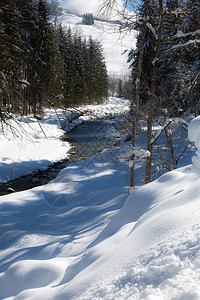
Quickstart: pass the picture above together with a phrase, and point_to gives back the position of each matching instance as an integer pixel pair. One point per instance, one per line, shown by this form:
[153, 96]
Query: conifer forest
[42, 63]
[168, 42]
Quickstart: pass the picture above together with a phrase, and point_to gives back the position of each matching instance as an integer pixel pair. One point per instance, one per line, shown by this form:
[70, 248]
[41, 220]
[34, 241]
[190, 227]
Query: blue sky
[133, 5]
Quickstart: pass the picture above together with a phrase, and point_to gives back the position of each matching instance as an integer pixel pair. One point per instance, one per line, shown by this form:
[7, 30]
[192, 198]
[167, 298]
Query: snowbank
[194, 136]
[34, 144]
[28, 144]
[82, 237]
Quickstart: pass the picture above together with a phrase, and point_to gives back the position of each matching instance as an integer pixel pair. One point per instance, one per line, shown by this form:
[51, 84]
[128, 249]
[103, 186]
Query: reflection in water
[91, 137]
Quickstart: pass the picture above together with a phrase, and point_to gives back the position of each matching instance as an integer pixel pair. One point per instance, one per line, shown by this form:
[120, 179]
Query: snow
[149, 25]
[33, 145]
[83, 236]
[114, 42]
[38, 144]
[86, 234]
[194, 136]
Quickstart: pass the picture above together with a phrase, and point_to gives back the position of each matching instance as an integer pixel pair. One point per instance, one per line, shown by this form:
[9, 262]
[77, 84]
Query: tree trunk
[152, 95]
[137, 94]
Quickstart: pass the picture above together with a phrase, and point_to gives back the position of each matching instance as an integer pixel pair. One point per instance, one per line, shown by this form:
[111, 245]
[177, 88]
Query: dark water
[91, 137]
[88, 139]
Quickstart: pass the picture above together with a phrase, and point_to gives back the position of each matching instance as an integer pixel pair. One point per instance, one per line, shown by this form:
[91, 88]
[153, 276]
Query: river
[88, 139]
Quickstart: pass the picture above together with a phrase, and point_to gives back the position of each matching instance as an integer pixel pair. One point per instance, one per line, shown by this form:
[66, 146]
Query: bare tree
[153, 91]
[137, 93]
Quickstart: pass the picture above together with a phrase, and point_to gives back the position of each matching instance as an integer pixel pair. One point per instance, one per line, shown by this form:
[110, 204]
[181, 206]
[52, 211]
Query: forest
[43, 64]
[99, 201]
[165, 68]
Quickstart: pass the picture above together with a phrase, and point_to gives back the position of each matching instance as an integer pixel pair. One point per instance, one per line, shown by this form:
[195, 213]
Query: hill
[114, 42]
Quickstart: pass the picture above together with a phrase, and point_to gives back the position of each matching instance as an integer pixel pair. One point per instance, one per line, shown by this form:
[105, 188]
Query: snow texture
[113, 41]
[83, 237]
[37, 144]
[194, 136]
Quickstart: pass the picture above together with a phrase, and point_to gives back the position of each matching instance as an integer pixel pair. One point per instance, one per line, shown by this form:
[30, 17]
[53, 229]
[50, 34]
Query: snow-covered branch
[149, 25]
[181, 34]
[179, 46]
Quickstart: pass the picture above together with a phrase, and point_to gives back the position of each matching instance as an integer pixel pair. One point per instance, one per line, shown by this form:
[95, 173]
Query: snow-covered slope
[114, 42]
[82, 237]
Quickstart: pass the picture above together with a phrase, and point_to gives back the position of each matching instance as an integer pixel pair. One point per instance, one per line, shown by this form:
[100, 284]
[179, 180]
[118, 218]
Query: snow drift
[101, 244]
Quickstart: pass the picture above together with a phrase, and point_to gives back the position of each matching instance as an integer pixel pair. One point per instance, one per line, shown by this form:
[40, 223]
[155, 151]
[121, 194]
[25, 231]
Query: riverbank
[28, 145]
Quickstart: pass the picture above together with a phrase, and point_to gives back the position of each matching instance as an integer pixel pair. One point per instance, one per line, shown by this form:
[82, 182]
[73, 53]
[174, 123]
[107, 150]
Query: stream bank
[87, 139]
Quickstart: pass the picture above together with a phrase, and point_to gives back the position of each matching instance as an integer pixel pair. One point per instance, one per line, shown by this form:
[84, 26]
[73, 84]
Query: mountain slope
[114, 42]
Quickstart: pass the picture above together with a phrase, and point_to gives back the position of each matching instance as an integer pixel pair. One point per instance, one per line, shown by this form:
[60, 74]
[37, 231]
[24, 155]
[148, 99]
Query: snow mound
[30, 274]
[82, 237]
[194, 136]
[171, 271]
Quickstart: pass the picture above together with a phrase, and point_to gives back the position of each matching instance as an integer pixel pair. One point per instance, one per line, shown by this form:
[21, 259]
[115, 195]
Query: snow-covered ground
[82, 236]
[28, 144]
[114, 42]
[41, 144]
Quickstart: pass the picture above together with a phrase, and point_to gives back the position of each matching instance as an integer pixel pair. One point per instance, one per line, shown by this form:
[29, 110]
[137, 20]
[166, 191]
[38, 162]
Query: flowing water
[88, 139]
[91, 137]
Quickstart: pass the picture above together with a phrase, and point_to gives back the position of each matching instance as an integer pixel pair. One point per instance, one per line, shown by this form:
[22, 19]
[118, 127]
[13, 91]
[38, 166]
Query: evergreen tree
[57, 71]
[149, 47]
[26, 19]
[67, 53]
[179, 67]
[42, 57]
[98, 77]
[11, 56]
[79, 72]
[88, 19]
[191, 27]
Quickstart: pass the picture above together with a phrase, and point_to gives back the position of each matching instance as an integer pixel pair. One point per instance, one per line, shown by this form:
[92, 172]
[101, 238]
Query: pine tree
[67, 53]
[57, 71]
[191, 27]
[88, 19]
[11, 56]
[26, 19]
[79, 72]
[42, 57]
[97, 72]
[179, 67]
[151, 27]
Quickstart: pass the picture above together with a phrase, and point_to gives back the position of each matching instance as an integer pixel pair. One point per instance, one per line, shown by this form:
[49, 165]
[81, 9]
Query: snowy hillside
[113, 42]
[82, 237]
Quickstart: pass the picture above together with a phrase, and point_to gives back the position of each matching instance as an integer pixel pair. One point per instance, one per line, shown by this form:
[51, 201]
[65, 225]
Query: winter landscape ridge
[85, 235]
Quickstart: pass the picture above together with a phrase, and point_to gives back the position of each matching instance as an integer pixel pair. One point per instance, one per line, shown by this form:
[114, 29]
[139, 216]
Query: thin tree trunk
[152, 96]
[137, 94]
